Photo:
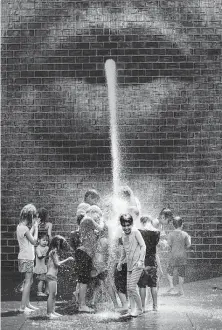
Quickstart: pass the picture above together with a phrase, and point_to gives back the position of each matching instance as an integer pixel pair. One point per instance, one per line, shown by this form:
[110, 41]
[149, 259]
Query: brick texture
[55, 117]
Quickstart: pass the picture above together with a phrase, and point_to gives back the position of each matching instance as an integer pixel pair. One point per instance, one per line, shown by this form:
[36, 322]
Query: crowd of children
[126, 266]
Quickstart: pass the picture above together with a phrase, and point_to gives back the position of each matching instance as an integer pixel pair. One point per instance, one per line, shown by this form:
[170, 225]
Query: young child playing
[57, 244]
[149, 276]
[89, 227]
[40, 268]
[100, 269]
[45, 225]
[27, 238]
[134, 250]
[179, 241]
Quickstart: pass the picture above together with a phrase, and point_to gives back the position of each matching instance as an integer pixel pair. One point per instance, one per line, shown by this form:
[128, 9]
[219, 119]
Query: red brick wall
[55, 118]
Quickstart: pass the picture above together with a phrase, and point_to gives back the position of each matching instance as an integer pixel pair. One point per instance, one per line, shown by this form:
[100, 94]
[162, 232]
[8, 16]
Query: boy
[179, 241]
[148, 278]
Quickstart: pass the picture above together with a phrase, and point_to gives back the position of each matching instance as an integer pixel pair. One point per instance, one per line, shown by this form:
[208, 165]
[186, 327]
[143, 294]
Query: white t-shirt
[26, 249]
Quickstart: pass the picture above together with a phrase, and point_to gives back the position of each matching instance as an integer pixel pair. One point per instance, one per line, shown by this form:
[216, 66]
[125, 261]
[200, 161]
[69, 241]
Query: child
[149, 276]
[85, 252]
[100, 265]
[27, 239]
[57, 244]
[134, 250]
[40, 268]
[45, 225]
[179, 241]
[92, 197]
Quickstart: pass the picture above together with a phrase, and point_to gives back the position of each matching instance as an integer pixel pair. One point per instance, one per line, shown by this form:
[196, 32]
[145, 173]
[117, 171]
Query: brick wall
[55, 118]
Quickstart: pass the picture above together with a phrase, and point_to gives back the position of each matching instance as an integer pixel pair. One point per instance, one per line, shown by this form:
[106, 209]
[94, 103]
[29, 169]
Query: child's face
[43, 241]
[127, 228]
[96, 216]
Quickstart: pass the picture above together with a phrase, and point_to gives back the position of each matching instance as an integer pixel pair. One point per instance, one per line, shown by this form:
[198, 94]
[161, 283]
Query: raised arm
[33, 239]
[49, 230]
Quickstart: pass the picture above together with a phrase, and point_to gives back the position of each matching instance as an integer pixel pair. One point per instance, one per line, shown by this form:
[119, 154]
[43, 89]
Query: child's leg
[52, 297]
[170, 277]
[26, 291]
[132, 280]
[154, 297]
[143, 297]
[181, 281]
[123, 299]
[110, 290]
[40, 286]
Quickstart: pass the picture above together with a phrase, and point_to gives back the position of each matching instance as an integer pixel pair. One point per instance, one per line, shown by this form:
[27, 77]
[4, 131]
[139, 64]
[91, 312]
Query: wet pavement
[200, 309]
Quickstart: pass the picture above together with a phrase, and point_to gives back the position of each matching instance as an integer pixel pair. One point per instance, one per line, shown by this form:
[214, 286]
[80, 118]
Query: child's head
[92, 197]
[156, 224]
[28, 214]
[177, 222]
[165, 216]
[95, 213]
[126, 221]
[144, 220]
[125, 192]
[43, 239]
[43, 215]
[58, 242]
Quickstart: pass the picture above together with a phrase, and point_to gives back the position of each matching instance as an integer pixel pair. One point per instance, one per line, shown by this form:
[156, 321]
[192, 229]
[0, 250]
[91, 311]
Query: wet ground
[199, 309]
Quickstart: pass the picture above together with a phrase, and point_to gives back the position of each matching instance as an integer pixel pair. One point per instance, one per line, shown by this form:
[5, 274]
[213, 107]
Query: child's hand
[140, 264]
[119, 267]
[71, 258]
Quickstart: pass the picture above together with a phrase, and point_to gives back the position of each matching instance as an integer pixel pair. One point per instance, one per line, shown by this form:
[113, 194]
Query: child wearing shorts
[57, 245]
[40, 268]
[27, 238]
[149, 276]
[178, 241]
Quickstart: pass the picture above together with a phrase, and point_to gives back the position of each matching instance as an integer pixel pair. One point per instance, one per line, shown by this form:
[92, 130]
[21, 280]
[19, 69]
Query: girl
[58, 243]
[40, 267]
[45, 225]
[134, 250]
[27, 238]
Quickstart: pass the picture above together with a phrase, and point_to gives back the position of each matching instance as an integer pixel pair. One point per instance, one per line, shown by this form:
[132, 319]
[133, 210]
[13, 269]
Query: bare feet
[86, 309]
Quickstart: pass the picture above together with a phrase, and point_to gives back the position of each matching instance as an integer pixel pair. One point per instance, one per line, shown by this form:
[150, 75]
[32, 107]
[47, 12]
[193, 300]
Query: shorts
[120, 279]
[180, 269]
[41, 277]
[50, 277]
[25, 266]
[83, 266]
[148, 277]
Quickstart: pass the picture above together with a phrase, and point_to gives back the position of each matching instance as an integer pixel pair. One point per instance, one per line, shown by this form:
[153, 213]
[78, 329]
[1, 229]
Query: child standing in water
[40, 268]
[27, 238]
[149, 276]
[134, 250]
[179, 241]
[58, 243]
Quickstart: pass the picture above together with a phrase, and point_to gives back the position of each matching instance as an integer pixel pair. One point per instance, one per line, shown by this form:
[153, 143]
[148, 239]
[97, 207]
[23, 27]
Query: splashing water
[110, 69]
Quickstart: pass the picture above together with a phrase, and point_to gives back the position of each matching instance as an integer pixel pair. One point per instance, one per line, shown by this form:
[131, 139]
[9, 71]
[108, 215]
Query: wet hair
[58, 242]
[156, 223]
[28, 212]
[145, 219]
[92, 193]
[94, 209]
[177, 222]
[82, 208]
[125, 192]
[167, 213]
[42, 234]
[43, 213]
[126, 218]
[79, 218]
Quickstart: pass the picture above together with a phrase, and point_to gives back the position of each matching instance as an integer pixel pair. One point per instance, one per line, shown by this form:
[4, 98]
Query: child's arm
[56, 261]
[39, 253]
[33, 239]
[49, 230]
[188, 241]
[159, 265]
[142, 245]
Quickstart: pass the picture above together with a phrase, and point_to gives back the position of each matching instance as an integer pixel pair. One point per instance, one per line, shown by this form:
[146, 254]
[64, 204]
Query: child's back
[178, 241]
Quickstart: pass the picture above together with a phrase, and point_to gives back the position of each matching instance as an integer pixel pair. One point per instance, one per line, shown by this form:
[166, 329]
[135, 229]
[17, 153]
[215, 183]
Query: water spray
[110, 70]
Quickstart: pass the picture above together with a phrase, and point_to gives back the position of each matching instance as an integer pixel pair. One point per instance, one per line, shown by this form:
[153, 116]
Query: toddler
[57, 244]
[40, 268]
